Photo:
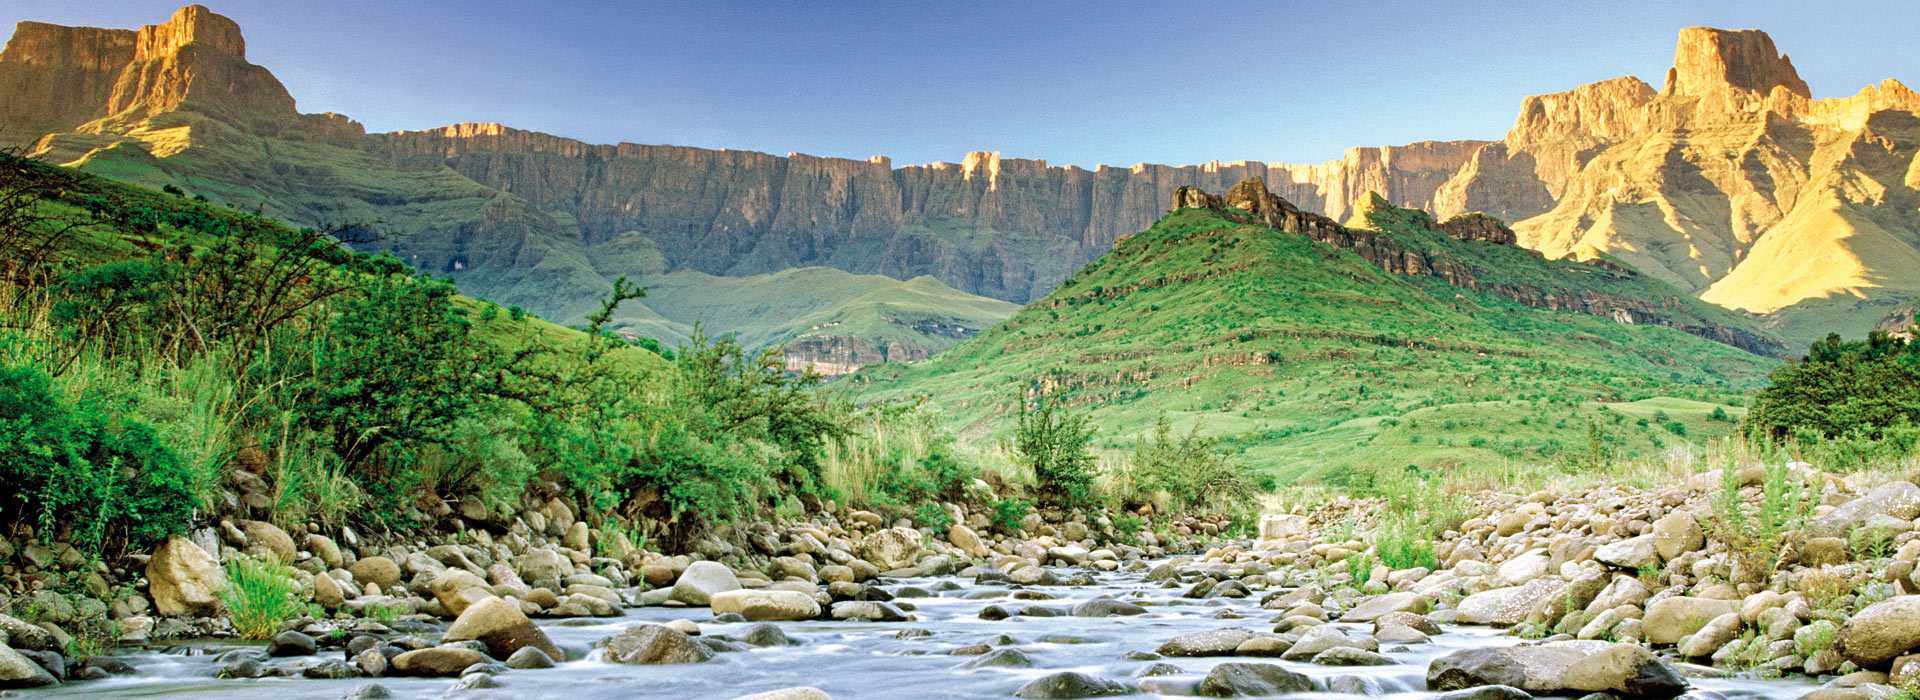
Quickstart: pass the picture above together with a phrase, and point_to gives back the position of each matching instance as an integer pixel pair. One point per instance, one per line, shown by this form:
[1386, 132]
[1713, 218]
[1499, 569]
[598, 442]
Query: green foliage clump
[1192, 472]
[932, 516]
[86, 469]
[1859, 389]
[259, 596]
[1053, 442]
[1009, 512]
[1403, 544]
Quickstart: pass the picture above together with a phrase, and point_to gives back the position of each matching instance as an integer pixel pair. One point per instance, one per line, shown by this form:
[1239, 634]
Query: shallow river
[865, 659]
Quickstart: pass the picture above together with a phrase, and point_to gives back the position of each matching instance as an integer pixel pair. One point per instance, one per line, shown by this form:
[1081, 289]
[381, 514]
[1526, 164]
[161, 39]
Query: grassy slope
[94, 244]
[1305, 358]
[546, 270]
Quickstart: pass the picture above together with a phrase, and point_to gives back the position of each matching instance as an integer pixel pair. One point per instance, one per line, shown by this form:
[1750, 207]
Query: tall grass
[310, 482]
[259, 596]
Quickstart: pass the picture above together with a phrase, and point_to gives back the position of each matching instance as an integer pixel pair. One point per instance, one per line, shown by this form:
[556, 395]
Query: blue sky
[1082, 83]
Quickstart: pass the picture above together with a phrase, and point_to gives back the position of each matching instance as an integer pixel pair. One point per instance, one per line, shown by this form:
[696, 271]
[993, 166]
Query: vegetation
[154, 343]
[1850, 403]
[1308, 363]
[1053, 442]
[259, 596]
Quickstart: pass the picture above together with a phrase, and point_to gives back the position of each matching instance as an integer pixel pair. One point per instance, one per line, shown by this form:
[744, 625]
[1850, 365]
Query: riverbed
[913, 659]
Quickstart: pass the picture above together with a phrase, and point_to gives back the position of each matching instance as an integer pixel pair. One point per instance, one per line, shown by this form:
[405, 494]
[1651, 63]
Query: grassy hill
[1310, 360]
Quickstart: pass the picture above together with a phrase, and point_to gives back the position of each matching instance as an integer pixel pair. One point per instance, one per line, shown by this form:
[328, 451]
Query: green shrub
[83, 468]
[1054, 443]
[1842, 388]
[1129, 526]
[259, 596]
[1402, 544]
[1192, 470]
[933, 516]
[1009, 512]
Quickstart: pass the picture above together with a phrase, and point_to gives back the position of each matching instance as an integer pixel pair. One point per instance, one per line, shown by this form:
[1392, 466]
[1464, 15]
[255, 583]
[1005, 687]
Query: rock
[370, 691]
[1350, 656]
[1280, 527]
[1669, 619]
[1487, 692]
[379, 571]
[331, 669]
[529, 658]
[869, 610]
[1676, 534]
[183, 579]
[1373, 608]
[19, 634]
[327, 593]
[456, 589]
[1536, 669]
[655, 644]
[1071, 684]
[1237, 679]
[265, 539]
[545, 567]
[801, 693]
[1632, 553]
[437, 662]
[503, 627]
[766, 634]
[1881, 631]
[1900, 499]
[1625, 670]
[1221, 642]
[18, 671]
[1823, 551]
[968, 541]
[371, 662]
[892, 548]
[1710, 637]
[1107, 607]
[766, 604]
[292, 643]
[1000, 658]
[1505, 607]
[702, 580]
[1523, 569]
[1322, 638]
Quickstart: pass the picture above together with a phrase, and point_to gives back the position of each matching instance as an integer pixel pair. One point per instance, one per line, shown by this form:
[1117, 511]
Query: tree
[1055, 444]
[1855, 388]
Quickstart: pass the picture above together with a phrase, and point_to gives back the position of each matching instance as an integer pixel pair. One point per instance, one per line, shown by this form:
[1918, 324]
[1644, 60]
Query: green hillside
[1308, 359]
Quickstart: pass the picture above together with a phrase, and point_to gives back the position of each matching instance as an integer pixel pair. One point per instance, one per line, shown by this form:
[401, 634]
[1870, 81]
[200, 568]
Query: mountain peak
[1709, 61]
[192, 24]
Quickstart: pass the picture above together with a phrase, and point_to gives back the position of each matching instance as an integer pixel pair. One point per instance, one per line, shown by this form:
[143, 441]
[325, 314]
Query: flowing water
[868, 659]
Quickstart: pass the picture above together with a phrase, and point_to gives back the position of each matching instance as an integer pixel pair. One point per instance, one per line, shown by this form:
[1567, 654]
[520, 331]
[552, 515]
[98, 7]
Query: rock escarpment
[1407, 256]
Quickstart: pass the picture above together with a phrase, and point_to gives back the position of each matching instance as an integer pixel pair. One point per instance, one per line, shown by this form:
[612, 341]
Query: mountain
[1313, 346]
[1730, 182]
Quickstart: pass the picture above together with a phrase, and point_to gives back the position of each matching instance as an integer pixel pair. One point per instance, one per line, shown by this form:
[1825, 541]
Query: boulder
[655, 644]
[702, 580]
[1627, 671]
[892, 548]
[292, 643]
[1279, 527]
[18, 671]
[327, 592]
[968, 541]
[766, 604]
[1899, 499]
[500, 624]
[1373, 608]
[1070, 684]
[266, 539]
[1669, 619]
[1710, 637]
[379, 571]
[1505, 607]
[1107, 607]
[1676, 534]
[1539, 669]
[438, 662]
[1882, 631]
[1219, 642]
[456, 589]
[1237, 679]
[184, 579]
[801, 693]
[1632, 553]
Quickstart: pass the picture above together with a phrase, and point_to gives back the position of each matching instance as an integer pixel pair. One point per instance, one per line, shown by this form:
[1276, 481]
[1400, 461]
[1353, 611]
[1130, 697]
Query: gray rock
[1000, 658]
[1236, 679]
[1072, 684]
[1350, 656]
[1627, 671]
[1220, 642]
[18, 671]
[292, 643]
[529, 658]
[1900, 499]
[655, 644]
[702, 580]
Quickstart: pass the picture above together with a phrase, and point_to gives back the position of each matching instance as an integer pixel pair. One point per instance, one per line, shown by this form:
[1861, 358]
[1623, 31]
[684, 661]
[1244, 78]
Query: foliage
[1842, 389]
[1192, 471]
[84, 468]
[259, 596]
[1009, 512]
[933, 516]
[1402, 543]
[1053, 442]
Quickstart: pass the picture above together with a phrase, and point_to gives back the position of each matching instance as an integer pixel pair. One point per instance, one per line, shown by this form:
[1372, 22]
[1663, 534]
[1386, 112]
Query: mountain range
[1730, 183]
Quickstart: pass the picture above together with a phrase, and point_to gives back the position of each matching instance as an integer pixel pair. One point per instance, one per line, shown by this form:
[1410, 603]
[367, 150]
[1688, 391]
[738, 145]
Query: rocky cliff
[1400, 250]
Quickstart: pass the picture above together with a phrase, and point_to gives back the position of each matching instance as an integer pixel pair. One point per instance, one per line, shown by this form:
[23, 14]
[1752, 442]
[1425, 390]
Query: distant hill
[1312, 346]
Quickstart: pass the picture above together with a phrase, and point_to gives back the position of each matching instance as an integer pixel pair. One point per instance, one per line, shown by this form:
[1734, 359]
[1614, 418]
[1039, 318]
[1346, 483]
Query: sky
[1082, 83]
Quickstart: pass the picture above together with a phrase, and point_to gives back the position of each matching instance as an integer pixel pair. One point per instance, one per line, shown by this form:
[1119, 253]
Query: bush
[1192, 471]
[1842, 388]
[85, 469]
[933, 516]
[1054, 443]
[1009, 512]
[259, 596]
[1402, 544]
